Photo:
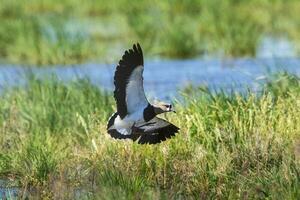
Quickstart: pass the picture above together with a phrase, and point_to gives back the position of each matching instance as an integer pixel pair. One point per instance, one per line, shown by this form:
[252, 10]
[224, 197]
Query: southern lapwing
[135, 117]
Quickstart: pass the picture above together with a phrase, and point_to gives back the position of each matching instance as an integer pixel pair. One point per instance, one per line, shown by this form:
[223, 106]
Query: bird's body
[135, 117]
[124, 126]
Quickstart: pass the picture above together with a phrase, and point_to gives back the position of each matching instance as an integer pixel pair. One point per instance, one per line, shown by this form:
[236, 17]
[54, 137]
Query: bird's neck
[149, 112]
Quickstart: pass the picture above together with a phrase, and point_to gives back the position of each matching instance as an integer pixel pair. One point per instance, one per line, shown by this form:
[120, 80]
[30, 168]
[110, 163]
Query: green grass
[53, 144]
[69, 31]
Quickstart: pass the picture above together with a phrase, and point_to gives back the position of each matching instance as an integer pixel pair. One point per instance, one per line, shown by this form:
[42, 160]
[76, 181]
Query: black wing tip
[137, 47]
[135, 55]
[162, 135]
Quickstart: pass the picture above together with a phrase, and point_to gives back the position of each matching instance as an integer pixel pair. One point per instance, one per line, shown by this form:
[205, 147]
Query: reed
[46, 32]
[53, 144]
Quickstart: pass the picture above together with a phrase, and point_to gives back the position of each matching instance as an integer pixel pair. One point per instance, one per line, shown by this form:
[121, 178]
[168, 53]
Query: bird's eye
[169, 106]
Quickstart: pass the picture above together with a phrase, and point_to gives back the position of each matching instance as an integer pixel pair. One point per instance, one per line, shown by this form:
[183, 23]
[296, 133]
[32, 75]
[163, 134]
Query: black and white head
[162, 107]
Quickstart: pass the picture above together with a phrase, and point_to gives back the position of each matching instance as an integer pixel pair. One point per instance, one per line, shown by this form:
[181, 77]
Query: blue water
[164, 78]
[7, 192]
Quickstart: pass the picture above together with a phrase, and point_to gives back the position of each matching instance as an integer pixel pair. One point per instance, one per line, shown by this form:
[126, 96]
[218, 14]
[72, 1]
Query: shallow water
[7, 192]
[164, 78]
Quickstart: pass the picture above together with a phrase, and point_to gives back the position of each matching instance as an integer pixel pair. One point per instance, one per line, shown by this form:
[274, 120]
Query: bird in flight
[135, 118]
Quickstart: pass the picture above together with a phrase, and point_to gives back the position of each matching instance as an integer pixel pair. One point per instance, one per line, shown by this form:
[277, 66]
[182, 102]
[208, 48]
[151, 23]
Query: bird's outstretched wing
[129, 91]
[154, 131]
[151, 132]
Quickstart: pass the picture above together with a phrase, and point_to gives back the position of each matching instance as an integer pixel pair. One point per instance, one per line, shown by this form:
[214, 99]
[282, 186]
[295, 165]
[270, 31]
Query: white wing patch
[123, 126]
[124, 131]
[135, 95]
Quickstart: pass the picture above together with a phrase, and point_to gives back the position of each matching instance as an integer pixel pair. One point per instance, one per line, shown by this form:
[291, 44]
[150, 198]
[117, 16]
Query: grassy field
[53, 144]
[70, 31]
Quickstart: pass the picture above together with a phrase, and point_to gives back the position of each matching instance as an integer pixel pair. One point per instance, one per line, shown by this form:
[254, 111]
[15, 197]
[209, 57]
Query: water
[276, 47]
[8, 192]
[163, 78]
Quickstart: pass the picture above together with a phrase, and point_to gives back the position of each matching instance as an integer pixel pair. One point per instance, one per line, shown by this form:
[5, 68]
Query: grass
[46, 32]
[53, 144]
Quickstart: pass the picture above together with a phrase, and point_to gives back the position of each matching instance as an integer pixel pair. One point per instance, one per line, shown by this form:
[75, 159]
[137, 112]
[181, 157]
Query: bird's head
[161, 107]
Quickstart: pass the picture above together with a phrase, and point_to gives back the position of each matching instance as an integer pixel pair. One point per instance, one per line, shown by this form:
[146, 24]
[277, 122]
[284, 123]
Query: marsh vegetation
[53, 144]
[70, 31]
[231, 145]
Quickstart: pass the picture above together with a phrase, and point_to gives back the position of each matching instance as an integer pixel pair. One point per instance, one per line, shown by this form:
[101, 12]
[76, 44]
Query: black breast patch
[149, 113]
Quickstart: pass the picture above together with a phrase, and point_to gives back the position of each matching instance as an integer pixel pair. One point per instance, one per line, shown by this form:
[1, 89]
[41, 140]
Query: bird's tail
[114, 133]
